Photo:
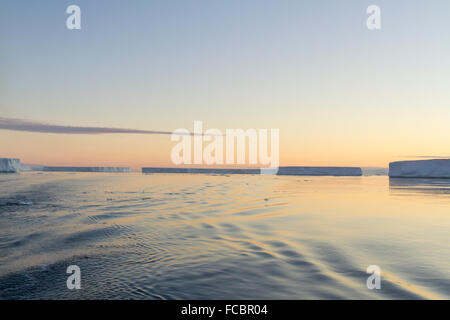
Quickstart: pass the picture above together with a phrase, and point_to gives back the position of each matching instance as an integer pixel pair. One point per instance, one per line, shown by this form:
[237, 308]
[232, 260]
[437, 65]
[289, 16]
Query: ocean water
[181, 236]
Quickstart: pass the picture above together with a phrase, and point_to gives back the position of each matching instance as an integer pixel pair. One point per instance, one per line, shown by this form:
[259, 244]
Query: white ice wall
[9, 165]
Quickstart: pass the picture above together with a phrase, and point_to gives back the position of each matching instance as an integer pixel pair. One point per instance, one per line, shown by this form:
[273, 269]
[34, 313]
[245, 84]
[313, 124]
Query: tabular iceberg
[299, 171]
[8, 165]
[87, 169]
[320, 171]
[201, 170]
[436, 168]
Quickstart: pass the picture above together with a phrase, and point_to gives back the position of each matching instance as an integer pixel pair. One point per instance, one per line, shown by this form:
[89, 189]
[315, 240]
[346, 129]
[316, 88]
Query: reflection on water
[415, 185]
[169, 236]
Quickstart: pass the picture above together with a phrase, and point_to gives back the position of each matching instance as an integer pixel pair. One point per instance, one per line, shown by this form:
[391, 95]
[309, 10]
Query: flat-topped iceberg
[436, 168]
[9, 165]
[201, 170]
[320, 171]
[87, 169]
[302, 171]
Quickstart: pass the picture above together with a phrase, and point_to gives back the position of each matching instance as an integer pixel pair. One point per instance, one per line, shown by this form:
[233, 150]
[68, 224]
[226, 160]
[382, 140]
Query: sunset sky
[339, 93]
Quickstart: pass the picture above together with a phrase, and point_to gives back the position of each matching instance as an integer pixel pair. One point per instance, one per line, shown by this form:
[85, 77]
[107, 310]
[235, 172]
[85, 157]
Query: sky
[340, 94]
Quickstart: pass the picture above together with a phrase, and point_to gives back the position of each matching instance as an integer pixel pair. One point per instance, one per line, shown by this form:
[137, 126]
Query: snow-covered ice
[9, 165]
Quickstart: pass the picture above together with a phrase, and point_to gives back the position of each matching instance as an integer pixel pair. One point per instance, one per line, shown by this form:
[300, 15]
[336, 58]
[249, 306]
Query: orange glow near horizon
[138, 151]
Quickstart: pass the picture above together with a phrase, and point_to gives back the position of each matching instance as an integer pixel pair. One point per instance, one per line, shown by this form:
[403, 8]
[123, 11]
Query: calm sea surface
[180, 236]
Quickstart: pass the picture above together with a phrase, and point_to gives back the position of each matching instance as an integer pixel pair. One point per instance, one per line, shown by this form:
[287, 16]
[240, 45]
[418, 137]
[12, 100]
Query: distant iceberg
[9, 165]
[436, 168]
[201, 170]
[31, 167]
[320, 171]
[87, 169]
[375, 171]
[302, 171]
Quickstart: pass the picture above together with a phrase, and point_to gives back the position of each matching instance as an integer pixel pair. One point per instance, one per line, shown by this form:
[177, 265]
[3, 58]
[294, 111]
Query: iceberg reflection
[403, 186]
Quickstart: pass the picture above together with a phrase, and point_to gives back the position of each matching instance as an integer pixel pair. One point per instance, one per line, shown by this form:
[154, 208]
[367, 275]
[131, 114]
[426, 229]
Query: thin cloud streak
[33, 126]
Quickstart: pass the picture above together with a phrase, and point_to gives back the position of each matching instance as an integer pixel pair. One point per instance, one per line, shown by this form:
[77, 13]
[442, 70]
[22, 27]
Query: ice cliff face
[9, 165]
[87, 169]
[437, 168]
